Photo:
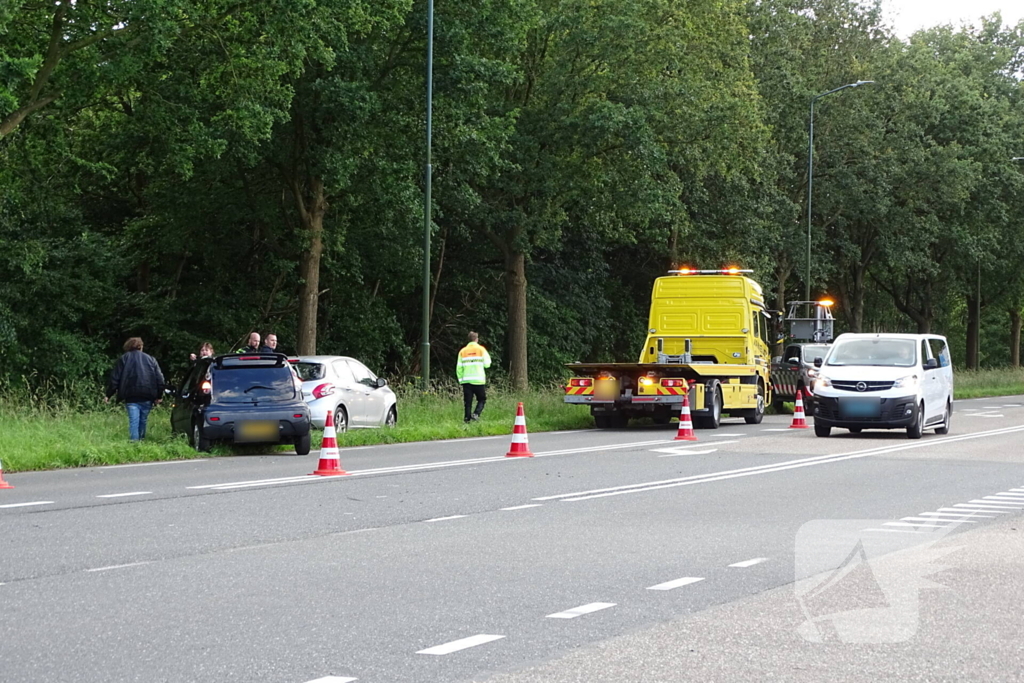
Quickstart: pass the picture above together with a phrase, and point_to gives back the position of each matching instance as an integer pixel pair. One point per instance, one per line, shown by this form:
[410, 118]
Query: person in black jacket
[253, 344]
[137, 381]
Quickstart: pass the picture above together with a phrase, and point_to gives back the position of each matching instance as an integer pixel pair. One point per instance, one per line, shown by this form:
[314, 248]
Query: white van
[885, 381]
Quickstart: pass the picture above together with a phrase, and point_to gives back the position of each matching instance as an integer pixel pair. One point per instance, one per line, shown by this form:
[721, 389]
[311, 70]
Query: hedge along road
[443, 561]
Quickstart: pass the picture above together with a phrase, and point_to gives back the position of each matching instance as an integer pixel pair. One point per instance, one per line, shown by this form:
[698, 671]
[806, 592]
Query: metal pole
[810, 192]
[427, 173]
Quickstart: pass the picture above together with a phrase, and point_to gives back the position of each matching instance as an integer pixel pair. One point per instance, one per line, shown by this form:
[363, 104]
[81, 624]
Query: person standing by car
[270, 344]
[471, 370]
[205, 351]
[136, 380]
[254, 344]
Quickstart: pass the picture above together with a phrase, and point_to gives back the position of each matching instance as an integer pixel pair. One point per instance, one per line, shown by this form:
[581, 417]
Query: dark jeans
[138, 413]
[468, 392]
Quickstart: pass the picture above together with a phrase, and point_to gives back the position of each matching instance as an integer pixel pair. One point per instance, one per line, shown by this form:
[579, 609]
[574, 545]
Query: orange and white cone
[3, 484]
[799, 420]
[520, 441]
[685, 432]
[330, 459]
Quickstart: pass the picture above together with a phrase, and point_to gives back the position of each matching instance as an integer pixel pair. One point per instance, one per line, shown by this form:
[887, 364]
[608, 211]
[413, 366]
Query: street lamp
[810, 174]
[427, 173]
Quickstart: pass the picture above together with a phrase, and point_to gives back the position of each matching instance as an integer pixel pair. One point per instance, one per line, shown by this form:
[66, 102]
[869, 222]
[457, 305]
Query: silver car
[346, 387]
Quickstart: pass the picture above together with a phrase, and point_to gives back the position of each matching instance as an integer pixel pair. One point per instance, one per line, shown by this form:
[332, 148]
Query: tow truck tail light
[673, 382]
[325, 389]
[579, 382]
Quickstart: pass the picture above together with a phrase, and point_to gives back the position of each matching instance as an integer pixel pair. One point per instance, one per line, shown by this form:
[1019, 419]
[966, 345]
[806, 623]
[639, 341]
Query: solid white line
[765, 469]
[934, 526]
[333, 679]
[442, 519]
[933, 519]
[22, 505]
[749, 563]
[457, 645]
[116, 566]
[975, 509]
[669, 585]
[523, 507]
[581, 610]
[147, 464]
[955, 514]
[122, 495]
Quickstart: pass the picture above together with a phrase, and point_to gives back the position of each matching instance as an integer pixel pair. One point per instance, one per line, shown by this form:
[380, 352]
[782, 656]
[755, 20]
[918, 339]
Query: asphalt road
[757, 552]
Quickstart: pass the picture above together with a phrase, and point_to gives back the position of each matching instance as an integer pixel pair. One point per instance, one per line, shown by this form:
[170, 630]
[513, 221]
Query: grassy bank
[35, 434]
[984, 383]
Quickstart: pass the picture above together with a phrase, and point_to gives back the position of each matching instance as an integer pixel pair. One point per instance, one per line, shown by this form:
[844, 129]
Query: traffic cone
[799, 421]
[520, 442]
[685, 432]
[3, 484]
[330, 460]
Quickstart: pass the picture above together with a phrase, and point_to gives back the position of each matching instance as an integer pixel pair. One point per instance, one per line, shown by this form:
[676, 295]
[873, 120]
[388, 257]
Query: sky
[910, 15]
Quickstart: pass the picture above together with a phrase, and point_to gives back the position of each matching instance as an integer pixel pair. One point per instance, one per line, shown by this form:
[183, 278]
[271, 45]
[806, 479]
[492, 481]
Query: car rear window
[310, 371]
[252, 385]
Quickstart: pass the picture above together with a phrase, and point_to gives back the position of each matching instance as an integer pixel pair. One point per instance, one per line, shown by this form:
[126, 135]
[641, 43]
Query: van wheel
[944, 429]
[302, 445]
[915, 430]
[822, 430]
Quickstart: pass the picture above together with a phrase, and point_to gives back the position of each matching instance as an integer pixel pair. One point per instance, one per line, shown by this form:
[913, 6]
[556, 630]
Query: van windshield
[880, 352]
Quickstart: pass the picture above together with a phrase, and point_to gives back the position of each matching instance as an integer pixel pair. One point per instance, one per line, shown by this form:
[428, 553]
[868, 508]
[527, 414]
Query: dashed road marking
[117, 566]
[333, 679]
[975, 509]
[581, 610]
[897, 531]
[124, 495]
[933, 519]
[749, 563]
[959, 515]
[25, 505]
[677, 583]
[915, 525]
[456, 645]
[676, 452]
[444, 519]
[522, 507]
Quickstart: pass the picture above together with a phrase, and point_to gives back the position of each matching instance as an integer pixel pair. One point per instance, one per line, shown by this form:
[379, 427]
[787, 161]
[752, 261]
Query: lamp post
[427, 173]
[810, 174]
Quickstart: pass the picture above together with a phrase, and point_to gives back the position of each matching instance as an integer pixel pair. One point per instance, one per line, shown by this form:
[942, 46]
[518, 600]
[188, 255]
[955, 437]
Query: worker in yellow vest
[470, 368]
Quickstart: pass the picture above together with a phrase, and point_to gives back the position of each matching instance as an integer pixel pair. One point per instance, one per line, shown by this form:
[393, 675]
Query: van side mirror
[818, 362]
[931, 364]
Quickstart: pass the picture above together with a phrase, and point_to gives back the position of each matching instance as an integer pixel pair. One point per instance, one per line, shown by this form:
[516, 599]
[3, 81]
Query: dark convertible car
[242, 398]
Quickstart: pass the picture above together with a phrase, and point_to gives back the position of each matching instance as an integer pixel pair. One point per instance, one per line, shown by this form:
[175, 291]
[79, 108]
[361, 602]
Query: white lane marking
[784, 429]
[975, 509]
[1018, 490]
[680, 449]
[117, 566]
[308, 479]
[581, 610]
[933, 519]
[993, 508]
[1001, 503]
[443, 519]
[897, 531]
[911, 524]
[669, 585]
[1009, 497]
[22, 505]
[457, 645]
[749, 563]
[523, 507]
[333, 679]
[676, 452]
[765, 469]
[955, 514]
[158, 462]
[1011, 405]
[123, 495]
[724, 434]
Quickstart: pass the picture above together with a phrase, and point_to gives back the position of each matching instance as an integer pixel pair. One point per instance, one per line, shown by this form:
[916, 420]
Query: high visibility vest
[473, 360]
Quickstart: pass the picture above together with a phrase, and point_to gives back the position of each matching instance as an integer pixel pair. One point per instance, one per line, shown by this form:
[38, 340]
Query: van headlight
[908, 382]
[821, 383]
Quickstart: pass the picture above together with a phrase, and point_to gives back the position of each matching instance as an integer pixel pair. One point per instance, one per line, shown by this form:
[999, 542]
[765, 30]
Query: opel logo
[862, 386]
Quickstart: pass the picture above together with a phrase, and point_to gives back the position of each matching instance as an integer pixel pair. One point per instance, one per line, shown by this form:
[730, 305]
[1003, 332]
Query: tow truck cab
[707, 339]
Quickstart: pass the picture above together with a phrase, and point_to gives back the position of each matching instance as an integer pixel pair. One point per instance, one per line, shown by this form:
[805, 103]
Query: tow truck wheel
[754, 416]
[714, 416]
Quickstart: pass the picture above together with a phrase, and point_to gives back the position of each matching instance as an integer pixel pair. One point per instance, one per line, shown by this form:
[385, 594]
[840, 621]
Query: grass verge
[33, 438]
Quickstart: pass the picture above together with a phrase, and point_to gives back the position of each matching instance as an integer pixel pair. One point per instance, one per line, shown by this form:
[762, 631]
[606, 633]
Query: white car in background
[346, 387]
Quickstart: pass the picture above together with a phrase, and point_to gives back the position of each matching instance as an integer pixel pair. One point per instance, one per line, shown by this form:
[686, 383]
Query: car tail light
[298, 415]
[249, 358]
[673, 382]
[206, 386]
[214, 419]
[325, 389]
[581, 382]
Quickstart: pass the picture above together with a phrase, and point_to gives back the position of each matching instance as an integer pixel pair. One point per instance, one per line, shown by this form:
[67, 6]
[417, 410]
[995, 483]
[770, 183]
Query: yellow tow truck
[707, 338]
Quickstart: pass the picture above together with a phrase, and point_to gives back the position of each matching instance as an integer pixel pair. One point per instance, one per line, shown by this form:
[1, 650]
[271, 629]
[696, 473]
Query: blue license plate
[860, 407]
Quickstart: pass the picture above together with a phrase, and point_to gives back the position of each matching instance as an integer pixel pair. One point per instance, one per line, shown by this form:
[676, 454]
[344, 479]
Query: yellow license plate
[257, 430]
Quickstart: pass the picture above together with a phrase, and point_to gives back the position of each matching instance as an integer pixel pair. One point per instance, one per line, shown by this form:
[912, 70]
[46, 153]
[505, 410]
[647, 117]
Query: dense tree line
[190, 170]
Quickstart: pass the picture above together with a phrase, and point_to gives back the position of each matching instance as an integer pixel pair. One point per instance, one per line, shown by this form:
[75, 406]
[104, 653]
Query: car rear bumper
[226, 425]
[896, 413]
